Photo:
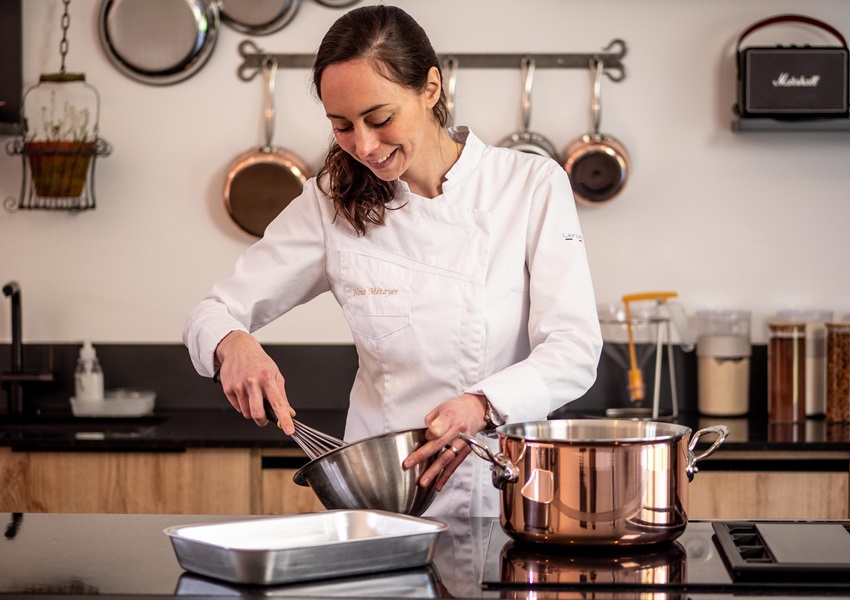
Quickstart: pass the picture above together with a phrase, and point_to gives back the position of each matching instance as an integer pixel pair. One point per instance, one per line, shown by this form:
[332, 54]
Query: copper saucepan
[595, 481]
[598, 164]
[262, 182]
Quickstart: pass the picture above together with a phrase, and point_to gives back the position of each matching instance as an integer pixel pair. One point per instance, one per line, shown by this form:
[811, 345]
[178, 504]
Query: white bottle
[88, 377]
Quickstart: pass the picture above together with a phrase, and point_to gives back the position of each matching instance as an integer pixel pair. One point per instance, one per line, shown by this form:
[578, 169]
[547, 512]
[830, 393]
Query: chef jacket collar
[472, 150]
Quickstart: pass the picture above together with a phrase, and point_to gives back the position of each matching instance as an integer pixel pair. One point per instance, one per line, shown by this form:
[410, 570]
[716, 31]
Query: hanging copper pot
[598, 164]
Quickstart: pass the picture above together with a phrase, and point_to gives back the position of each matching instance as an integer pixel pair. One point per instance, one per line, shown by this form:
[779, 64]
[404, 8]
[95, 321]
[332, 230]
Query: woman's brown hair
[400, 50]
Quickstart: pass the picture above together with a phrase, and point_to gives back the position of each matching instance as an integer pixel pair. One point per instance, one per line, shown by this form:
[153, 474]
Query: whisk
[313, 442]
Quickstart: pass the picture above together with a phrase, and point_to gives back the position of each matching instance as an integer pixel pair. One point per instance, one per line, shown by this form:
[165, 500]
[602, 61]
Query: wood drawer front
[282, 496]
[197, 481]
[769, 495]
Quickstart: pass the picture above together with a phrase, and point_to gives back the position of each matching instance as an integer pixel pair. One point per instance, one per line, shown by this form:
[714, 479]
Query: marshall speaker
[793, 82]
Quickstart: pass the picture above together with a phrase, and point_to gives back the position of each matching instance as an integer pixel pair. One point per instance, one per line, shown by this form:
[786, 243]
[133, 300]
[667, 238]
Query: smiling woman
[388, 128]
[440, 251]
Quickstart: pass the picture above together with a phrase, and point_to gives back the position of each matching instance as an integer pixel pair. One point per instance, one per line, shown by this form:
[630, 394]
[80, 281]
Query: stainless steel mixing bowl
[368, 474]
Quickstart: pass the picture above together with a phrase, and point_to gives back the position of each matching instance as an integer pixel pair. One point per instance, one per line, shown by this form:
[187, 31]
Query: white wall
[757, 221]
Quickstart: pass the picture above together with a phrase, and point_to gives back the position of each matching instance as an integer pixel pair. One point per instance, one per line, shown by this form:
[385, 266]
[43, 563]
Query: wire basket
[59, 144]
[57, 175]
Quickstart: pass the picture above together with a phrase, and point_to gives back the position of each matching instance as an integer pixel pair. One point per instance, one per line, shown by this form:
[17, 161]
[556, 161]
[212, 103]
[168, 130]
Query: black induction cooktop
[717, 556]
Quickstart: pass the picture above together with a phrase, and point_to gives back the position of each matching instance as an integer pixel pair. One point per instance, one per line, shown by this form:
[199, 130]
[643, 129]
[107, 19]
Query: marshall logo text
[785, 80]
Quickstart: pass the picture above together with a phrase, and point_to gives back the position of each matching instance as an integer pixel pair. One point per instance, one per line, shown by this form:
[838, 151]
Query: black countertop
[161, 432]
[45, 554]
[178, 430]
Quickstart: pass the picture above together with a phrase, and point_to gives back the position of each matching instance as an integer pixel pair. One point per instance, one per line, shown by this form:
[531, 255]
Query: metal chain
[63, 45]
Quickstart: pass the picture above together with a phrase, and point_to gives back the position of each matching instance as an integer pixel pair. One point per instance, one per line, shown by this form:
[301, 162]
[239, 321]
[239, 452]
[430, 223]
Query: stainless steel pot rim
[530, 142]
[134, 54]
[594, 431]
[299, 477]
[337, 3]
[229, 15]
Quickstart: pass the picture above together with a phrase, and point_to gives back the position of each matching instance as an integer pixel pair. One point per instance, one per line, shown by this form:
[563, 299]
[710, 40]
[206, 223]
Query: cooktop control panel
[785, 551]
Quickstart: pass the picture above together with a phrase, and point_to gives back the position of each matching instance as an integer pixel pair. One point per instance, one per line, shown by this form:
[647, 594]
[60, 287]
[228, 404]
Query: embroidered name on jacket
[374, 291]
[573, 237]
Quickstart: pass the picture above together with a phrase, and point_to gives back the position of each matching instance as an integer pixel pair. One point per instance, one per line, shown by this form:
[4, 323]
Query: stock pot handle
[504, 471]
[721, 431]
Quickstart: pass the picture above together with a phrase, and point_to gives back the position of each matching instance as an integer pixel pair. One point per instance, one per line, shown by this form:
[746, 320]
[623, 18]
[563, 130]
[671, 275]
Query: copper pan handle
[721, 431]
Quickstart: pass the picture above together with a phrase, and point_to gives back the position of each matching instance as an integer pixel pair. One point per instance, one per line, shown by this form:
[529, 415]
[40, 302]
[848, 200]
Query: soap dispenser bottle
[88, 377]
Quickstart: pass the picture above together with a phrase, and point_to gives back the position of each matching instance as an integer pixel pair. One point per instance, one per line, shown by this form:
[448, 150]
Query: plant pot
[59, 169]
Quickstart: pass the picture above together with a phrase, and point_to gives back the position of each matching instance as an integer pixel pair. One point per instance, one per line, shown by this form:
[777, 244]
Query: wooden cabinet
[242, 481]
[281, 495]
[810, 486]
[197, 481]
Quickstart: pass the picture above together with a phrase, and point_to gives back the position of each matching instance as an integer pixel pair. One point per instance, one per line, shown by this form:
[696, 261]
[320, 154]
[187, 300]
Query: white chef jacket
[483, 289]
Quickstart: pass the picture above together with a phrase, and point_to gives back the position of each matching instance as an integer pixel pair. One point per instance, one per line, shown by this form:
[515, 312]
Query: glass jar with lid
[723, 362]
[815, 321]
[786, 372]
[838, 372]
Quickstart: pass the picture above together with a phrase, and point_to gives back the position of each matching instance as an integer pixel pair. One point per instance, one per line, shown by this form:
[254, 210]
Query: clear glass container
[786, 372]
[838, 372]
[815, 321]
[723, 362]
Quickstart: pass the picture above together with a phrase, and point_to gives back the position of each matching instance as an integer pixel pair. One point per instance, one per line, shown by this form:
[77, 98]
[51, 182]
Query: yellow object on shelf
[636, 387]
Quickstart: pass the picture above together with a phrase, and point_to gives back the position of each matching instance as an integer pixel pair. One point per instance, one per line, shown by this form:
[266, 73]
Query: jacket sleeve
[282, 270]
[563, 326]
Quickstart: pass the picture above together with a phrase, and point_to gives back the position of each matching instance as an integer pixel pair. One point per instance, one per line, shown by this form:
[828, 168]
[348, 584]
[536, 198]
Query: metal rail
[611, 57]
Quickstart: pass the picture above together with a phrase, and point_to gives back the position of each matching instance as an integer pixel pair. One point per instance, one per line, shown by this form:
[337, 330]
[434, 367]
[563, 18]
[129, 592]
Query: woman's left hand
[464, 414]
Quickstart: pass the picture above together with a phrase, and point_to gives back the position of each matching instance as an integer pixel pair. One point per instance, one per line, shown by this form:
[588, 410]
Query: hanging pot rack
[611, 58]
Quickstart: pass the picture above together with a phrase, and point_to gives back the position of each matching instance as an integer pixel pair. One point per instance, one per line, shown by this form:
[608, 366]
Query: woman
[459, 267]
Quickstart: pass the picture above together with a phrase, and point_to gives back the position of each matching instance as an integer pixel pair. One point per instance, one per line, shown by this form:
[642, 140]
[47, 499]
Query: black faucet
[15, 378]
[16, 390]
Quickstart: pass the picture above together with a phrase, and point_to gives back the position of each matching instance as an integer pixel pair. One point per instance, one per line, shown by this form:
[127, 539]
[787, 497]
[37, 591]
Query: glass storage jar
[786, 372]
[815, 321]
[723, 362]
[838, 372]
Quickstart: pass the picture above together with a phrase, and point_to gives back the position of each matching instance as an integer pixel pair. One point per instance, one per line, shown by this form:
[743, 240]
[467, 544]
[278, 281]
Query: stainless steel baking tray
[278, 550]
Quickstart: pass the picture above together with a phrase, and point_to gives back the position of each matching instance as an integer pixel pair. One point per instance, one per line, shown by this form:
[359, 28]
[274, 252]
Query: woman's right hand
[249, 376]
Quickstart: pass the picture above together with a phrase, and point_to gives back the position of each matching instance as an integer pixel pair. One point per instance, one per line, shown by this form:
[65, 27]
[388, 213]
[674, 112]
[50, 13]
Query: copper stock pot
[595, 481]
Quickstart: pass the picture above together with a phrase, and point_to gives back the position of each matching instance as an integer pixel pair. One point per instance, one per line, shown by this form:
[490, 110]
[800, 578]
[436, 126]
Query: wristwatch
[492, 418]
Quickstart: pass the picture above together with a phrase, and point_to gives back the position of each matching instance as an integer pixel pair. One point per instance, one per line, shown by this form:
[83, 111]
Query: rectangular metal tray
[278, 550]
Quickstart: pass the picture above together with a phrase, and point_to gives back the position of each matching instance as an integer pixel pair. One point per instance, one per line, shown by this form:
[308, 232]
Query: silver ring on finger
[453, 449]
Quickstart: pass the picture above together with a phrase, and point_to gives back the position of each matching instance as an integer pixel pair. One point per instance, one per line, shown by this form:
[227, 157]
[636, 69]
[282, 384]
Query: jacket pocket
[377, 295]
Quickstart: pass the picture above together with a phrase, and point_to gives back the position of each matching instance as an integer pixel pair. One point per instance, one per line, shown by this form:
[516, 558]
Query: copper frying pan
[598, 164]
[262, 182]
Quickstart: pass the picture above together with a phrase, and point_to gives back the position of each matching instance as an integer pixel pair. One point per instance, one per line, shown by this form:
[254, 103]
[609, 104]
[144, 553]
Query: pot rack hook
[527, 66]
[596, 68]
[450, 65]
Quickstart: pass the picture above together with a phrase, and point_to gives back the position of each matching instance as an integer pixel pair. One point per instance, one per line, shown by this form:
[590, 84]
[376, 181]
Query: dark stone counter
[129, 556]
[161, 432]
